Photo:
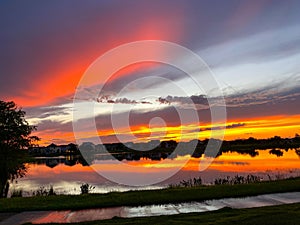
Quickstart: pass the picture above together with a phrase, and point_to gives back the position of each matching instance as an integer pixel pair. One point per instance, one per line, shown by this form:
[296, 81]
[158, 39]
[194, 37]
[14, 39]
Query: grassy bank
[135, 198]
[271, 215]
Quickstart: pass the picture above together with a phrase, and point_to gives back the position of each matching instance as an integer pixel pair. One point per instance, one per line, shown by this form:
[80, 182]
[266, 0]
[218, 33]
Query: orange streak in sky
[61, 81]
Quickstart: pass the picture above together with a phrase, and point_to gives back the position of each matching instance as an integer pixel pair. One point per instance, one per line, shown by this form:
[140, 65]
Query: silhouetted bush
[188, 183]
[42, 191]
[238, 180]
[16, 193]
[86, 188]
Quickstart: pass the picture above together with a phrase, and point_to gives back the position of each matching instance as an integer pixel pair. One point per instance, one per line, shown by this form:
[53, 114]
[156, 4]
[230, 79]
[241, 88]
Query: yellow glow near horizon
[265, 127]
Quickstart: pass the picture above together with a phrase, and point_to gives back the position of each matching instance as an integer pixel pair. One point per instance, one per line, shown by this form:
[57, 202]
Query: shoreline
[147, 197]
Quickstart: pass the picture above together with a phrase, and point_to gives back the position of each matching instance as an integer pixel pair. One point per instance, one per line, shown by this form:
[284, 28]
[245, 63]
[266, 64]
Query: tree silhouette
[14, 137]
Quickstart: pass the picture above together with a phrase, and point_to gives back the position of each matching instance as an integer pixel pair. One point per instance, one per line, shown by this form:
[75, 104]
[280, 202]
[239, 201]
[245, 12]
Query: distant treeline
[196, 147]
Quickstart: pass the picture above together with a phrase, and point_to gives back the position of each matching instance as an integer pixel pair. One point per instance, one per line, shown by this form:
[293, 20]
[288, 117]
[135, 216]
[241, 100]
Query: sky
[251, 47]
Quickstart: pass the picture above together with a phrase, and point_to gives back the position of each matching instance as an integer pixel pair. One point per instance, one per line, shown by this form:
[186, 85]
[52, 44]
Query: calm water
[66, 174]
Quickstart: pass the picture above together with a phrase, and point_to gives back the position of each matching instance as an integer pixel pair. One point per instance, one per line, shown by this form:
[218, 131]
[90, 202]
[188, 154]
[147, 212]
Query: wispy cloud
[273, 93]
[230, 126]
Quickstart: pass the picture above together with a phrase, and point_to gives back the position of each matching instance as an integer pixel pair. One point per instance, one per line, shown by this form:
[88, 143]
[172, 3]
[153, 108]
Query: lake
[67, 174]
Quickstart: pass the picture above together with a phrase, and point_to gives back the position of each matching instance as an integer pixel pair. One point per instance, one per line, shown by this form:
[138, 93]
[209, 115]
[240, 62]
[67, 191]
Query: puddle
[69, 216]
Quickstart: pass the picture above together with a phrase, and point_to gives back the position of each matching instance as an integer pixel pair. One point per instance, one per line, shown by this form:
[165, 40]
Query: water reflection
[52, 162]
[11, 167]
[66, 174]
[276, 152]
[72, 160]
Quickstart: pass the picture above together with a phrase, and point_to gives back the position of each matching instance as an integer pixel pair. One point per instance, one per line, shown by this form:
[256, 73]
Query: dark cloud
[110, 99]
[272, 94]
[138, 118]
[231, 126]
[145, 102]
[194, 99]
[122, 101]
[51, 126]
[235, 125]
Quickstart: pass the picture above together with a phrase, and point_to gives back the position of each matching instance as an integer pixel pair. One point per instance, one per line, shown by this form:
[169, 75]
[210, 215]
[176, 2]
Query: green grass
[271, 215]
[136, 198]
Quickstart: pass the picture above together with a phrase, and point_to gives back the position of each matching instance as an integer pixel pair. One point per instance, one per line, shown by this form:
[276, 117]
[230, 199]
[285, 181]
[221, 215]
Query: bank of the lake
[136, 198]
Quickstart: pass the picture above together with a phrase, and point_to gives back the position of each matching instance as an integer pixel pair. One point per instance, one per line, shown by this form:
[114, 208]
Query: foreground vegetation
[15, 136]
[271, 215]
[136, 198]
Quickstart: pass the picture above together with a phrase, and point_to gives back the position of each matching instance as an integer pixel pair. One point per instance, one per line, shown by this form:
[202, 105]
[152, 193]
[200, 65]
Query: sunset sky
[252, 47]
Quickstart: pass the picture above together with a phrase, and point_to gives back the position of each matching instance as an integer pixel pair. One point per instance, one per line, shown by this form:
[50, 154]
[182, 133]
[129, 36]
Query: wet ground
[69, 216]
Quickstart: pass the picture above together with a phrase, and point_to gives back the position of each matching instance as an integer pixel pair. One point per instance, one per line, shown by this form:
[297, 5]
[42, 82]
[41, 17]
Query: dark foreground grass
[271, 215]
[136, 198]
